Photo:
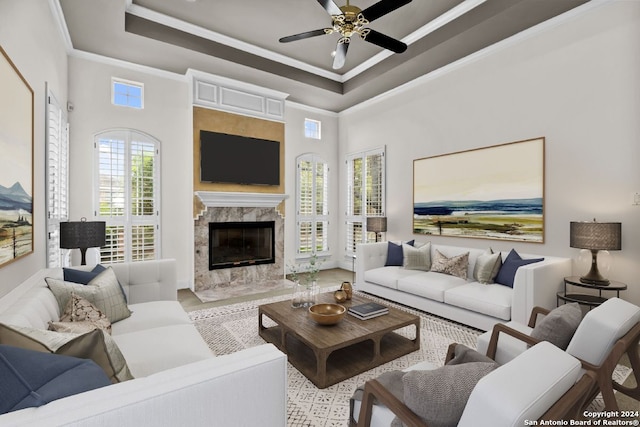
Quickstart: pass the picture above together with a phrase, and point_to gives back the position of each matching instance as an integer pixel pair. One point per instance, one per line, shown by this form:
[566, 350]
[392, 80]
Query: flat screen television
[237, 159]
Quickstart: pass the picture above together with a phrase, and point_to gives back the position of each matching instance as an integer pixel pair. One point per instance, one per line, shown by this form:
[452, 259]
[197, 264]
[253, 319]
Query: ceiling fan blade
[382, 8]
[385, 41]
[304, 35]
[341, 55]
[330, 7]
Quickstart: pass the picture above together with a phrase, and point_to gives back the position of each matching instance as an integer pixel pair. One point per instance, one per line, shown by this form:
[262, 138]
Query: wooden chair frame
[603, 373]
[565, 408]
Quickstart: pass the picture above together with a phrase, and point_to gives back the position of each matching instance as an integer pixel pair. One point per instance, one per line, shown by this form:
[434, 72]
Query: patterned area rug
[231, 328]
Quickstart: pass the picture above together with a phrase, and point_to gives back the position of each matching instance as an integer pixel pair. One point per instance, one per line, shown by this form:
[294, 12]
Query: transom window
[366, 184]
[312, 207]
[127, 181]
[312, 129]
[127, 93]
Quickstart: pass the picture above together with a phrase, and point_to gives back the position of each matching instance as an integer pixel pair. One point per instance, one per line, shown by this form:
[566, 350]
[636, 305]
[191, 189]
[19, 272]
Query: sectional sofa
[177, 380]
[464, 300]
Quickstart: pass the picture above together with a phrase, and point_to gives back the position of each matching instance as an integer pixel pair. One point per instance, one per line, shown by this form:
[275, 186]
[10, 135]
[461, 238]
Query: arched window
[312, 205]
[128, 194]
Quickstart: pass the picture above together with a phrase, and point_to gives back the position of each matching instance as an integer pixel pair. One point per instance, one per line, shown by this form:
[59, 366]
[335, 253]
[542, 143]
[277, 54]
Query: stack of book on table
[368, 310]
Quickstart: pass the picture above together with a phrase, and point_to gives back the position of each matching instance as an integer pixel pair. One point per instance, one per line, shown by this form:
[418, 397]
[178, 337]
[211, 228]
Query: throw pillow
[95, 345]
[559, 325]
[507, 272]
[81, 276]
[454, 266]
[439, 396]
[80, 309]
[103, 291]
[417, 258]
[464, 354]
[487, 266]
[32, 378]
[394, 255]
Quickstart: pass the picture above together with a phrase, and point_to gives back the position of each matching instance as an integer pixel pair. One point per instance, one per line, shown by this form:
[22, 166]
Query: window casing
[312, 205]
[126, 93]
[366, 189]
[57, 141]
[128, 195]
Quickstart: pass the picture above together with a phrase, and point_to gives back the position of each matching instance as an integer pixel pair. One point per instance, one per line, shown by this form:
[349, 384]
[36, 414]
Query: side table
[586, 299]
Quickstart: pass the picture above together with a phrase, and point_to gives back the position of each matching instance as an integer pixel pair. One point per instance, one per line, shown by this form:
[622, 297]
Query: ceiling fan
[350, 20]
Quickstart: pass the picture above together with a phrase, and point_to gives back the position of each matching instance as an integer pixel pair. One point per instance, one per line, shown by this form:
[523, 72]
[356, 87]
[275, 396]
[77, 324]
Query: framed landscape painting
[16, 163]
[494, 192]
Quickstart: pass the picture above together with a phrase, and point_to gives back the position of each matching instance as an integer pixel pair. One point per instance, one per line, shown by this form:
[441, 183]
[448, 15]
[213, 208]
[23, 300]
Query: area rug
[231, 328]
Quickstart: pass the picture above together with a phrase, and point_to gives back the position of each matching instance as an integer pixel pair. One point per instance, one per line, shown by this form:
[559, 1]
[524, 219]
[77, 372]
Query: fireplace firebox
[238, 244]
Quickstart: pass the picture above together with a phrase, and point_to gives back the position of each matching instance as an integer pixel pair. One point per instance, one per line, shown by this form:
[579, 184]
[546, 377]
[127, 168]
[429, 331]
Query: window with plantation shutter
[312, 209]
[365, 195]
[128, 195]
[57, 152]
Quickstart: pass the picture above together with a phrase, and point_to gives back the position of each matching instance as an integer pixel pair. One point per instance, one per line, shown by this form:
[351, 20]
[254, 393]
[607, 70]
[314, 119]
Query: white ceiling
[239, 39]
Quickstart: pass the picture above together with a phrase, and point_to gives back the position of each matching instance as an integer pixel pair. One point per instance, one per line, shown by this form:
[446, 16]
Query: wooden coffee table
[330, 354]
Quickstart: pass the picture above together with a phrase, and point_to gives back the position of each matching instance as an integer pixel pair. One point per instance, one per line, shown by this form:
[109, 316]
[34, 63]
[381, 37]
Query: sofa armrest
[146, 281]
[537, 284]
[213, 392]
[368, 257]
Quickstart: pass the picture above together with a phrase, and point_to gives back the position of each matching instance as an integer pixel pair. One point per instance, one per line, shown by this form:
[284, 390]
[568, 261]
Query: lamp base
[593, 277]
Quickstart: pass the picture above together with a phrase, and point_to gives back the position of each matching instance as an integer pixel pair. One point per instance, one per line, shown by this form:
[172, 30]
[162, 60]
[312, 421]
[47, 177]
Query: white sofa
[465, 301]
[178, 381]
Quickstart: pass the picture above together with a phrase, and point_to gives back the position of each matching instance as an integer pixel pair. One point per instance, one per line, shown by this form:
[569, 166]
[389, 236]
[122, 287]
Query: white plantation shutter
[312, 208]
[57, 152]
[128, 195]
[366, 184]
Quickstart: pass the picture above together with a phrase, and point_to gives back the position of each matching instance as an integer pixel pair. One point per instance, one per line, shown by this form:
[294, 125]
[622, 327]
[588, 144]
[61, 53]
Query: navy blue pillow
[395, 255]
[509, 267]
[32, 378]
[80, 276]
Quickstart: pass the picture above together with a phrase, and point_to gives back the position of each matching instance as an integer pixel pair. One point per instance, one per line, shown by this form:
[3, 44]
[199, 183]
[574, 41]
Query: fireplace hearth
[239, 244]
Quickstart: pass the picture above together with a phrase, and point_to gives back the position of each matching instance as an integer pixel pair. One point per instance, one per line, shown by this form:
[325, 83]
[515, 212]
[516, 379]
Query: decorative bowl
[327, 314]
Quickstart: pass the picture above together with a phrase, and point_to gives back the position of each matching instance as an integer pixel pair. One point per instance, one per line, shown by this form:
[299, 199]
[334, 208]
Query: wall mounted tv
[237, 159]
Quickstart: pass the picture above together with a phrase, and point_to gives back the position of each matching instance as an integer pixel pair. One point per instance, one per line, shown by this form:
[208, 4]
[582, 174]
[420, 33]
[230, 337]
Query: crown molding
[310, 109]
[61, 23]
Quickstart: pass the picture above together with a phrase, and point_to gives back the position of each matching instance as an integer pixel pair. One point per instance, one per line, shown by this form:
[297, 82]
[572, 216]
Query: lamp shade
[377, 224]
[596, 235]
[82, 234]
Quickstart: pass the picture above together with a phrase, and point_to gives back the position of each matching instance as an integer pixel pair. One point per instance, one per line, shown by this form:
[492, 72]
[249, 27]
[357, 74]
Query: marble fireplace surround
[237, 207]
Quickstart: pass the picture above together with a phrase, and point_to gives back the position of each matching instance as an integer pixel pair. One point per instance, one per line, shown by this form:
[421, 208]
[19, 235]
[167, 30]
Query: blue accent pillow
[80, 276]
[33, 378]
[507, 272]
[395, 255]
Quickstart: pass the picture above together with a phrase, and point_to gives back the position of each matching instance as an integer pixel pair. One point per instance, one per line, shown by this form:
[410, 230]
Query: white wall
[32, 41]
[166, 116]
[577, 84]
[295, 145]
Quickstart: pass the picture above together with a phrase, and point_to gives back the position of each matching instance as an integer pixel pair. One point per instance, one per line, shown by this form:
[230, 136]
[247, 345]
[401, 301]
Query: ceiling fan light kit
[350, 20]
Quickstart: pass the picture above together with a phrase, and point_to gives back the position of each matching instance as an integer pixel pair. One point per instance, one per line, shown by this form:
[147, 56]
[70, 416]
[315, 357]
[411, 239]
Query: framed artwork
[494, 192]
[16, 163]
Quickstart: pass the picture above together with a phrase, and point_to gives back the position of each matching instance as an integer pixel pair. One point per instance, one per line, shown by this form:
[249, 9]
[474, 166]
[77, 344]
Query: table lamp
[595, 236]
[81, 235]
[377, 224]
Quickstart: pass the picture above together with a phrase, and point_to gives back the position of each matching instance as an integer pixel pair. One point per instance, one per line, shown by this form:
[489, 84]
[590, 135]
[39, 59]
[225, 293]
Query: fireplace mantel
[219, 199]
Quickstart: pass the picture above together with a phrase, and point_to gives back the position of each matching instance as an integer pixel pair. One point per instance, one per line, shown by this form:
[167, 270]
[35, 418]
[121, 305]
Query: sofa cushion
[95, 345]
[492, 299]
[429, 284]
[104, 291]
[152, 314]
[158, 349]
[417, 258]
[507, 272]
[455, 266]
[81, 276]
[394, 254]
[388, 276]
[487, 266]
[559, 325]
[32, 378]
